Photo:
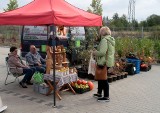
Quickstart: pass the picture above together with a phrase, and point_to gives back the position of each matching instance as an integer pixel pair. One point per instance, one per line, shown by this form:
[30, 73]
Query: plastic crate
[43, 89]
[136, 62]
[36, 87]
[40, 88]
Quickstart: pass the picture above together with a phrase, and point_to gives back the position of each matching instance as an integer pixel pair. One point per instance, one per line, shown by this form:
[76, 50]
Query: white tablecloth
[62, 79]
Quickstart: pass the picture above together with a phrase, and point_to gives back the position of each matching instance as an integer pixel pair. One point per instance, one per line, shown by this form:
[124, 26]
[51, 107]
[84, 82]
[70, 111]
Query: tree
[135, 23]
[106, 21]
[153, 20]
[96, 8]
[143, 24]
[11, 5]
[124, 21]
[115, 16]
[119, 21]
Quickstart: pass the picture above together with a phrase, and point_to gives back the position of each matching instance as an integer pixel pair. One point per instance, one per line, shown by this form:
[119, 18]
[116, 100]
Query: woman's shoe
[97, 95]
[103, 99]
[23, 85]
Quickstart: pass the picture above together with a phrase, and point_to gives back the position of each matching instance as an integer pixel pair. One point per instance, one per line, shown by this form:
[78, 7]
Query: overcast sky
[144, 8]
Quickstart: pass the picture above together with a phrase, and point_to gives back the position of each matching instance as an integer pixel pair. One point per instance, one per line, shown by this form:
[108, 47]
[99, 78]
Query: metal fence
[10, 35]
[139, 32]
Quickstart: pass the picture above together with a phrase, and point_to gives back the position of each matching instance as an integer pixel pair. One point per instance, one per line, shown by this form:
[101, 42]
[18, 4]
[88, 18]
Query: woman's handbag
[101, 73]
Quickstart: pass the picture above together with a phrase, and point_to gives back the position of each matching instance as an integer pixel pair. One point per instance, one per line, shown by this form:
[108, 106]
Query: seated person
[15, 61]
[34, 59]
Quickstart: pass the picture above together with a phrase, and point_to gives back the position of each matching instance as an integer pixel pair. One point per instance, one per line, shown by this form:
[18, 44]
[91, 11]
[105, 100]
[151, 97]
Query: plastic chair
[16, 75]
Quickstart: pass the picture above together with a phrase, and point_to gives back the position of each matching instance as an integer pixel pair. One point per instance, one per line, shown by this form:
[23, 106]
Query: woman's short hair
[13, 48]
[106, 31]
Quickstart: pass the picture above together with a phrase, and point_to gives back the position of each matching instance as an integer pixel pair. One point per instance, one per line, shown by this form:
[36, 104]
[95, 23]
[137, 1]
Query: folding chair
[16, 75]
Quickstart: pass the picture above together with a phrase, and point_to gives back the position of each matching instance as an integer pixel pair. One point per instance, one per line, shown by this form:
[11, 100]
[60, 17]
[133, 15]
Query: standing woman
[104, 56]
[49, 51]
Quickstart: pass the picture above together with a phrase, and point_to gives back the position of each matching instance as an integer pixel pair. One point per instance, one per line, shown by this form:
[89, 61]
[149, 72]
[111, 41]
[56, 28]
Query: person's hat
[2, 108]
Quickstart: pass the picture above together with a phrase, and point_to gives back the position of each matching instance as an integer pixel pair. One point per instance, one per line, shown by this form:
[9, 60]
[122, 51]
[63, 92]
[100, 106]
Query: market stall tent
[49, 12]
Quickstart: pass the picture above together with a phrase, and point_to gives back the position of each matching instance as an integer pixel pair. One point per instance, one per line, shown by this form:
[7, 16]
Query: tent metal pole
[47, 33]
[54, 82]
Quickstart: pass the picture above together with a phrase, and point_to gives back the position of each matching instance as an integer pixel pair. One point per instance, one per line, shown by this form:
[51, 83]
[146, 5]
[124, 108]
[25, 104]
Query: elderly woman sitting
[14, 61]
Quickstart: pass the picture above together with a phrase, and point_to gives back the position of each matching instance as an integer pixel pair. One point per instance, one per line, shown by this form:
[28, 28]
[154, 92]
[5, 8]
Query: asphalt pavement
[135, 94]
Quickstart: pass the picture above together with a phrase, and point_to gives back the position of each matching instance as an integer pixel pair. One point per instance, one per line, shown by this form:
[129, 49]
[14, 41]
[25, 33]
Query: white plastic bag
[92, 66]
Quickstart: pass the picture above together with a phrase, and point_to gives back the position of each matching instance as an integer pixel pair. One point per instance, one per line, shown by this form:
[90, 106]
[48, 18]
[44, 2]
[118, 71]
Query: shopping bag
[92, 65]
[38, 77]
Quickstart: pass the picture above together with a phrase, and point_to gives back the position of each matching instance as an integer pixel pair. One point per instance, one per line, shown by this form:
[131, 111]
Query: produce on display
[82, 86]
